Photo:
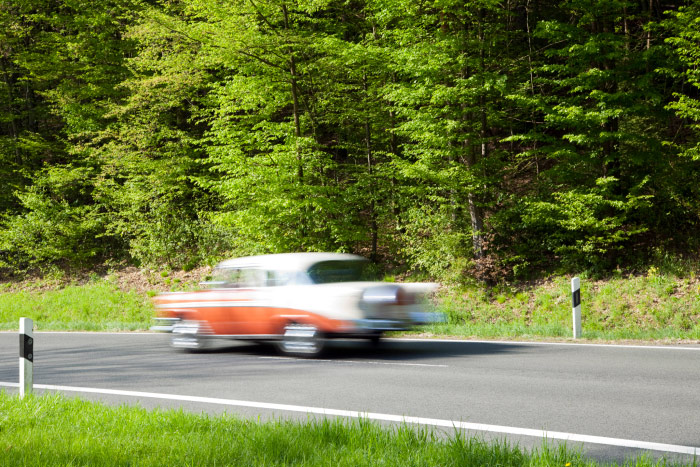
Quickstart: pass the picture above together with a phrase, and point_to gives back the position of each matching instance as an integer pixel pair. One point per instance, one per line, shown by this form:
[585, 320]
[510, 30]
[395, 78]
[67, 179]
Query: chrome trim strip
[222, 304]
[380, 325]
[167, 324]
[257, 337]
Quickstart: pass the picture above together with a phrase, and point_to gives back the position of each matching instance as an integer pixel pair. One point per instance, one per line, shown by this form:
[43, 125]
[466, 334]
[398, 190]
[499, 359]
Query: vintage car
[297, 300]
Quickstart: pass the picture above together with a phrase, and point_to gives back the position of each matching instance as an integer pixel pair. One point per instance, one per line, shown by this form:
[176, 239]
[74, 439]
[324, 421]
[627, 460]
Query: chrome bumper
[164, 324]
[190, 335]
[427, 317]
[371, 325]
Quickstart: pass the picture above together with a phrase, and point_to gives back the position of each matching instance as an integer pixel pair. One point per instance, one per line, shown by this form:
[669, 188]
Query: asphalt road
[644, 394]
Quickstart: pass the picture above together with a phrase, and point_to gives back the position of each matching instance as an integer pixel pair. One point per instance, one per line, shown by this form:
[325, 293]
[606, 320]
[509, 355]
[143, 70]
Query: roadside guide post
[576, 305]
[26, 356]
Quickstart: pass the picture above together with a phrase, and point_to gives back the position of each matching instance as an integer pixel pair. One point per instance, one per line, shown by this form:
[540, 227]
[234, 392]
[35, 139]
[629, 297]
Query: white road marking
[568, 344]
[94, 333]
[413, 339]
[627, 443]
[357, 362]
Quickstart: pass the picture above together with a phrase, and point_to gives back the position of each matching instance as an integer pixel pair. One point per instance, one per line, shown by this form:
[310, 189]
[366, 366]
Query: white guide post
[26, 356]
[576, 305]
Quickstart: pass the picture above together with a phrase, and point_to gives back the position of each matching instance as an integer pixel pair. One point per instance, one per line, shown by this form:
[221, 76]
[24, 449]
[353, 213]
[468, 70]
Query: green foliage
[441, 256]
[55, 225]
[587, 226]
[596, 113]
[148, 152]
[684, 24]
[283, 190]
[60, 65]
[487, 139]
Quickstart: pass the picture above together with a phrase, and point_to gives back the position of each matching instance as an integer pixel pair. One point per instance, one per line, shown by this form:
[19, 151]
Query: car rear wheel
[375, 339]
[302, 340]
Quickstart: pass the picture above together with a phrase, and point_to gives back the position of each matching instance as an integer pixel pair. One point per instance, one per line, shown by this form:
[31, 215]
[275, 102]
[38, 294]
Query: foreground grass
[53, 430]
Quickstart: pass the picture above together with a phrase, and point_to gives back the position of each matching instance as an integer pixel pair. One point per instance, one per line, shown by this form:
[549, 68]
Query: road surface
[611, 401]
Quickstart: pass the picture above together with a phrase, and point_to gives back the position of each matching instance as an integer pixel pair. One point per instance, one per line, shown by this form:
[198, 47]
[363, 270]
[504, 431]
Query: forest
[485, 139]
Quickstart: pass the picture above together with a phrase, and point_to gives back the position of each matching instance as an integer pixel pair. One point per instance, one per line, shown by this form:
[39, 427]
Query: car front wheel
[189, 336]
[302, 340]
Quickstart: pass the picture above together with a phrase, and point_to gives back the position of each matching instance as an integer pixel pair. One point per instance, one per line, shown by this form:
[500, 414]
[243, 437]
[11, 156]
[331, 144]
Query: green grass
[54, 430]
[96, 306]
[654, 306]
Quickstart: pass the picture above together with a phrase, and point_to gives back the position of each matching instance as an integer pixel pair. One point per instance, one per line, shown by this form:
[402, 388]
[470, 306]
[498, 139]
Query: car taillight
[384, 295]
[404, 297]
[381, 295]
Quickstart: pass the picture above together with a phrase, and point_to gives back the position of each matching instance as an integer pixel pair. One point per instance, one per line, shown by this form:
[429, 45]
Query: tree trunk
[372, 207]
[476, 215]
[475, 212]
[295, 97]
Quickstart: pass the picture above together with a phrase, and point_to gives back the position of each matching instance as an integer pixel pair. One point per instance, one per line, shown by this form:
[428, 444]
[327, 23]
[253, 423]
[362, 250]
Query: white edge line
[627, 443]
[357, 362]
[414, 339]
[569, 344]
[95, 333]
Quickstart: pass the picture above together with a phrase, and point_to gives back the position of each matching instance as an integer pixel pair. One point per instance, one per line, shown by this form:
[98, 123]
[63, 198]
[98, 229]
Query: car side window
[275, 278]
[224, 277]
[279, 278]
[254, 277]
[326, 272]
[251, 278]
[238, 278]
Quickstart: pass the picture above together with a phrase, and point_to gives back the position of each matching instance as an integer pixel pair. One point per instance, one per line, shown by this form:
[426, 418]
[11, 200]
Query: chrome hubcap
[301, 339]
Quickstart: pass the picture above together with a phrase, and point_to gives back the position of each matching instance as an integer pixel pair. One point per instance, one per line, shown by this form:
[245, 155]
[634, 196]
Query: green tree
[283, 148]
[451, 137]
[27, 128]
[60, 66]
[596, 119]
[685, 27]
[452, 61]
[149, 152]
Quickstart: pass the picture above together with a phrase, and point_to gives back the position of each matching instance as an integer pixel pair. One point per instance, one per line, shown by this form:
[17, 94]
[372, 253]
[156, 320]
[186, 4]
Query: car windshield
[327, 272]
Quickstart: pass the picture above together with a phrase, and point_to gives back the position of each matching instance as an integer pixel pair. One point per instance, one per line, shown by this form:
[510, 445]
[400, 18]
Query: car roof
[287, 261]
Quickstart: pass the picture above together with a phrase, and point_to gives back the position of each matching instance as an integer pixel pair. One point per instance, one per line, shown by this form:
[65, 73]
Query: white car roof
[287, 261]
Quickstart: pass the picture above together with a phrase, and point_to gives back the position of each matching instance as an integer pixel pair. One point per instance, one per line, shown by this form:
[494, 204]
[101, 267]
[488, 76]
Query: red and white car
[298, 300]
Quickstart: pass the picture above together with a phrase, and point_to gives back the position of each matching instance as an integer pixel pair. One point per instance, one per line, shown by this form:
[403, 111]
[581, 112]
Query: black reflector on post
[26, 356]
[576, 298]
[576, 306]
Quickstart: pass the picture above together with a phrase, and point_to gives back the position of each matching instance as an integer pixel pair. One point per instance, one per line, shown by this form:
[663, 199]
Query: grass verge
[54, 430]
[95, 306]
[656, 306]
